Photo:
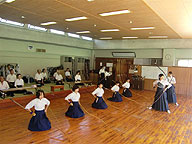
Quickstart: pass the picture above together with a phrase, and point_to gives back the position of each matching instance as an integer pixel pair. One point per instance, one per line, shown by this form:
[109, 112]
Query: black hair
[38, 93]
[117, 82]
[75, 87]
[170, 72]
[18, 75]
[43, 70]
[78, 72]
[160, 75]
[128, 78]
[99, 84]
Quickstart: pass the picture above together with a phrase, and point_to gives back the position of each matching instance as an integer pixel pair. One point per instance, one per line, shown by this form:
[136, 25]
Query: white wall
[168, 49]
[14, 44]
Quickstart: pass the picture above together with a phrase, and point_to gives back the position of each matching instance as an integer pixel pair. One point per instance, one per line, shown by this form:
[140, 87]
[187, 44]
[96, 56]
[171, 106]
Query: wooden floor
[122, 123]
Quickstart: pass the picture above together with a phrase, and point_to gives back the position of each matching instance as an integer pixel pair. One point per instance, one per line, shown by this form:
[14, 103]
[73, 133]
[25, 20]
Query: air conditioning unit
[124, 54]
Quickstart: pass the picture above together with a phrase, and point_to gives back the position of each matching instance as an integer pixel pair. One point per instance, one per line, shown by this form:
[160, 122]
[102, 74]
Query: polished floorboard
[126, 122]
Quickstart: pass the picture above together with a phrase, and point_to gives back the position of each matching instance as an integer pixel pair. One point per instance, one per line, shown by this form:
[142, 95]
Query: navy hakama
[116, 97]
[171, 96]
[99, 103]
[75, 111]
[161, 104]
[127, 93]
[39, 122]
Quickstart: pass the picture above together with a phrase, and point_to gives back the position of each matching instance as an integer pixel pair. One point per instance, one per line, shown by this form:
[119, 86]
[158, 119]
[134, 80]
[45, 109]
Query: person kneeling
[74, 110]
[116, 95]
[126, 91]
[19, 83]
[99, 103]
[59, 79]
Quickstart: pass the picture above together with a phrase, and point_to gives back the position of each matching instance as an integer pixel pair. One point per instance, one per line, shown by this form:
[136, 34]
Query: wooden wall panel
[183, 77]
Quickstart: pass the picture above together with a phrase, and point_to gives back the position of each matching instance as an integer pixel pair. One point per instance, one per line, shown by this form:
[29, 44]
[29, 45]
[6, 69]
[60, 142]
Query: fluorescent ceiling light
[129, 37]
[9, 1]
[158, 37]
[143, 28]
[11, 22]
[105, 38]
[48, 23]
[73, 35]
[86, 38]
[109, 30]
[57, 32]
[114, 13]
[83, 32]
[36, 27]
[76, 18]
[90, 0]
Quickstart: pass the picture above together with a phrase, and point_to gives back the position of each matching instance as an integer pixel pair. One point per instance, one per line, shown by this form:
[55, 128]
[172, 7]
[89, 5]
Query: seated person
[20, 83]
[44, 75]
[9, 69]
[11, 78]
[68, 75]
[59, 79]
[4, 86]
[78, 78]
[39, 78]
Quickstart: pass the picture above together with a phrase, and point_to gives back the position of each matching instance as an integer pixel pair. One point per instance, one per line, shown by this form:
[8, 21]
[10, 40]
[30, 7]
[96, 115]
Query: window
[86, 38]
[73, 35]
[185, 63]
[57, 32]
[11, 22]
[36, 27]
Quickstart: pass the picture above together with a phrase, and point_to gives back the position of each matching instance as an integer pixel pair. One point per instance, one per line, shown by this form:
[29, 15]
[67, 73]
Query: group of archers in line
[40, 122]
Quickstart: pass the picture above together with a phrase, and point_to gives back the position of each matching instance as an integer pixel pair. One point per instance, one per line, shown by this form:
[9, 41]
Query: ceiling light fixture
[83, 32]
[109, 30]
[9, 1]
[105, 38]
[48, 23]
[158, 37]
[76, 18]
[115, 13]
[129, 37]
[143, 28]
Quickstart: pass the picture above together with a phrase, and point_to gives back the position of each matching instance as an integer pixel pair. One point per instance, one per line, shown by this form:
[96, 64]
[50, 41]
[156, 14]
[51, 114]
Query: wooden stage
[122, 123]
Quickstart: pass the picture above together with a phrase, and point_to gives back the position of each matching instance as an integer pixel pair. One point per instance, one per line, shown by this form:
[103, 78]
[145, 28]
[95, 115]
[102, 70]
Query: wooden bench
[61, 87]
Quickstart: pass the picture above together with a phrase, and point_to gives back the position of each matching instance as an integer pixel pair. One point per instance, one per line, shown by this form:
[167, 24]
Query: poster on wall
[152, 72]
[109, 64]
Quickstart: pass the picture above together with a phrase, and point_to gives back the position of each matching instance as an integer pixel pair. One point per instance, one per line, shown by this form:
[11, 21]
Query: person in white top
[116, 95]
[107, 80]
[54, 75]
[68, 75]
[39, 121]
[126, 91]
[11, 78]
[4, 86]
[160, 101]
[74, 110]
[102, 75]
[59, 78]
[44, 76]
[77, 76]
[39, 78]
[99, 103]
[9, 69]
[171, 95]
[19, 83]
